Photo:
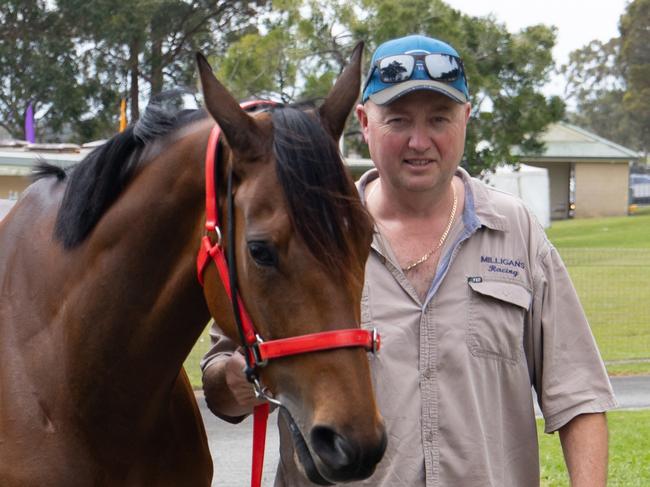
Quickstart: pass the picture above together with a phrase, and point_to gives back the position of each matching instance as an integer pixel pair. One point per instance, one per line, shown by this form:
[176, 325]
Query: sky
[578, 22]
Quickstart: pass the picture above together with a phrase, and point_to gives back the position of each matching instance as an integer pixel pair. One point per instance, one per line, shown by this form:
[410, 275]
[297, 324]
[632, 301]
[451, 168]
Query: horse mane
[96, 182]
[323, 202]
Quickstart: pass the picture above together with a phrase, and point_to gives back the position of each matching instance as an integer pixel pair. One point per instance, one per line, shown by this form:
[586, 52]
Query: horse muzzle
[333, 456]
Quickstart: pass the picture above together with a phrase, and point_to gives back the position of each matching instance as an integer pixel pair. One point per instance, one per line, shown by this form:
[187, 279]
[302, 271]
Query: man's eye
[263, 253]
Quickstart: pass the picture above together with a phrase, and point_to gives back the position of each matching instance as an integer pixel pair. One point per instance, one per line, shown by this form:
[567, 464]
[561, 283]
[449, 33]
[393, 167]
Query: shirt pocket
[497, 312]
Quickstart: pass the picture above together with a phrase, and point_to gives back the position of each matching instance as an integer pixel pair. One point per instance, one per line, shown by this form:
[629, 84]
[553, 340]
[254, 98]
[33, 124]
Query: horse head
[301, 238]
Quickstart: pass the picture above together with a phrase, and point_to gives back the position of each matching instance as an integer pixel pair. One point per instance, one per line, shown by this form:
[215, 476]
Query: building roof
[17, 158]
[566, 141]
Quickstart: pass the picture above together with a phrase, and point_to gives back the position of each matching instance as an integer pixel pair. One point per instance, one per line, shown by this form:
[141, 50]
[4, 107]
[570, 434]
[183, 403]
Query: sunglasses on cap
[400, 67]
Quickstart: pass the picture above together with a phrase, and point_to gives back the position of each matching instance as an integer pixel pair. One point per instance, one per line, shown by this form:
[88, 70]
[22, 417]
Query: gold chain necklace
[426, 256]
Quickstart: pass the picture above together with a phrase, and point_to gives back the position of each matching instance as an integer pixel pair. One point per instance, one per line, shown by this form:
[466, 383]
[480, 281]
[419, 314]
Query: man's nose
[420, 139]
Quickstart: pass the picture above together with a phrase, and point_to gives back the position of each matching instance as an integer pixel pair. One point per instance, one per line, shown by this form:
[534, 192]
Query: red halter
[257, 351]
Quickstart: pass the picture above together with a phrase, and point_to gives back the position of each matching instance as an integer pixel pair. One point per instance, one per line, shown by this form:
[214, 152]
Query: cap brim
[391, 93]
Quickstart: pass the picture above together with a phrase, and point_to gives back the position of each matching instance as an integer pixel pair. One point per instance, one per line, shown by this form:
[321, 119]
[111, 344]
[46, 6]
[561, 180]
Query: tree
[152, 41]
[608, 82]
[635, 59]
[506, 71]
[596, 85]
[294, 54]
[37, 68]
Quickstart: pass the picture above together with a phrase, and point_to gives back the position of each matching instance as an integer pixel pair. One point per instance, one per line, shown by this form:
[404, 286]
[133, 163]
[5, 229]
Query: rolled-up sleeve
[221, 348]
[570, 377]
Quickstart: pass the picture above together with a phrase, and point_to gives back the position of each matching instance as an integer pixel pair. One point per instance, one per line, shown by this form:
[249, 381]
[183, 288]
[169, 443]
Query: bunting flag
[123, 115]
[29, 124]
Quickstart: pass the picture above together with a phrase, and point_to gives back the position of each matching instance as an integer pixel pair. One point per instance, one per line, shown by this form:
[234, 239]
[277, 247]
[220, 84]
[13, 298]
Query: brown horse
[101, 302]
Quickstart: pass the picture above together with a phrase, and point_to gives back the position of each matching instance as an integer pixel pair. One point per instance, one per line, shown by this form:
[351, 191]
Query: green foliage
[505, 70]
[609, 82]
[260, 66]
[635, 58]
[596, 84]
[75, 59]
[293, 56]
[293, 52]
[154, 41]
[510, 71]
[36, 67]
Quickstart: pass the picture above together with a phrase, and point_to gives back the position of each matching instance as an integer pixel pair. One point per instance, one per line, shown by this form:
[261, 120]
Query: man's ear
[362, 116]
[468, 112]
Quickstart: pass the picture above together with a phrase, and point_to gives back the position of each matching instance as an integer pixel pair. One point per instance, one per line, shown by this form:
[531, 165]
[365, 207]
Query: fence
[614, 288]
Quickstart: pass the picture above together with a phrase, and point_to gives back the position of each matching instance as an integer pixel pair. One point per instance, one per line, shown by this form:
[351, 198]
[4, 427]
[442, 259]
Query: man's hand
[584, 442]
[227, 392]
[241, 389]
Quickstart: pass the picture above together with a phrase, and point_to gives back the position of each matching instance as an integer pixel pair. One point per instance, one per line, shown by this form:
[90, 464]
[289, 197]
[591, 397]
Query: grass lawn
[631, 368]
[629, 452]
[609, 263]
[192, 361]
[615, 232]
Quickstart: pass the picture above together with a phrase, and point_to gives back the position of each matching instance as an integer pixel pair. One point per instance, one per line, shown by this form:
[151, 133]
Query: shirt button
[428, 373]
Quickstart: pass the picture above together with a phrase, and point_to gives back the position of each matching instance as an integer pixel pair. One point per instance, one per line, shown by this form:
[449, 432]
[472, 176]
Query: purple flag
[29, 124]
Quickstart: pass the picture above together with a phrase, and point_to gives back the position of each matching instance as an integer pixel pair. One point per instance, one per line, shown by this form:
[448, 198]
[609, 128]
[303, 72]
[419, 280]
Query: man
[473, 303]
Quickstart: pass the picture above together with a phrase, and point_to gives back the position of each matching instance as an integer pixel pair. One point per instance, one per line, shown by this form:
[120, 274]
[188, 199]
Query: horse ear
[241, 131]
[341, 98]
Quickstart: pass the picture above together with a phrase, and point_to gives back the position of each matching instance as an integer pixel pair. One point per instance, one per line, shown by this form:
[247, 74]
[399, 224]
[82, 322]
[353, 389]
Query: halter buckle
[257, 353]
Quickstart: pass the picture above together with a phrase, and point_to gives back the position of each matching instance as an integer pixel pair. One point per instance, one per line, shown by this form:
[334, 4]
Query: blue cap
[382, 93]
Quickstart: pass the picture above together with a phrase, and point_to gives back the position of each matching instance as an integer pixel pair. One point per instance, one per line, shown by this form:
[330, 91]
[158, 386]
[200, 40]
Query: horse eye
[263, 253]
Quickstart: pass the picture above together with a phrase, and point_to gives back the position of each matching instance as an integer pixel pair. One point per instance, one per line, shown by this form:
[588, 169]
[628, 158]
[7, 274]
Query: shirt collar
[479, 209]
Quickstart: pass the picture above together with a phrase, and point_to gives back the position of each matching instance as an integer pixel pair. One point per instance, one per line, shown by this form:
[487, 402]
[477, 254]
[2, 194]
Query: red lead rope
[259, 352]
[260, 420]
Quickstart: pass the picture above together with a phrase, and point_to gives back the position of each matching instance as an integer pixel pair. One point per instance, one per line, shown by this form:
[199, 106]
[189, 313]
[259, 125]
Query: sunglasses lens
[394, 69]
[442, 67]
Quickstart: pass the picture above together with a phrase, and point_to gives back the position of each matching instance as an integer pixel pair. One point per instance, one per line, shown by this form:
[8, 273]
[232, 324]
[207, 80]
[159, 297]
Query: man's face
[417, 141]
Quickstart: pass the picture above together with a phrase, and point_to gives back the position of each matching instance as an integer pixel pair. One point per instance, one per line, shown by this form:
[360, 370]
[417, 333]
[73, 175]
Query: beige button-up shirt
[454, 375]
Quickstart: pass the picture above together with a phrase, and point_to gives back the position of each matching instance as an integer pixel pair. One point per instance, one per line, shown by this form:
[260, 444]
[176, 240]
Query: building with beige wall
[589, 175]
[17, 161]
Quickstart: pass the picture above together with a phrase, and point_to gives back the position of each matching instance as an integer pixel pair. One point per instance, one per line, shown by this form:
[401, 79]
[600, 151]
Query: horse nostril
[333, 449]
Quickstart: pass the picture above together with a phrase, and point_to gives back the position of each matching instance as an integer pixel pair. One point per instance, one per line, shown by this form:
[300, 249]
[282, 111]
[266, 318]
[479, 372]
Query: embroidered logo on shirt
[503, 265]
[475, 279]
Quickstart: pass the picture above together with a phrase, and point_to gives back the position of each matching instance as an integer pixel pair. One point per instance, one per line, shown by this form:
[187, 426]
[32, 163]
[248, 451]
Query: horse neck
[140, 306]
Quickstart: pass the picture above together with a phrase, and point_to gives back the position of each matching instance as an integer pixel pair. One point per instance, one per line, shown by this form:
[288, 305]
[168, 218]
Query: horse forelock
[323, 203]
